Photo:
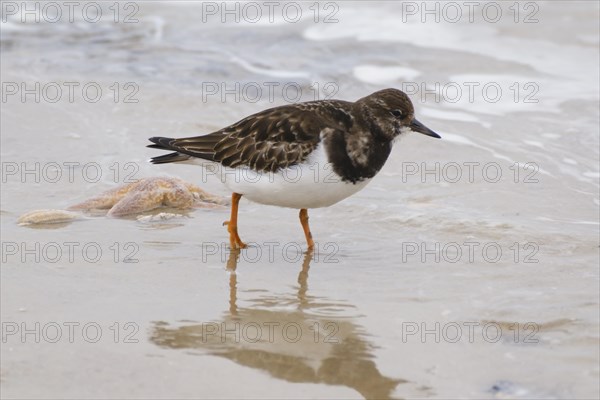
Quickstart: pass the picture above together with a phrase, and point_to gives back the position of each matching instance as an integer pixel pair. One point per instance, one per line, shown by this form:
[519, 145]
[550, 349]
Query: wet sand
[423, 285]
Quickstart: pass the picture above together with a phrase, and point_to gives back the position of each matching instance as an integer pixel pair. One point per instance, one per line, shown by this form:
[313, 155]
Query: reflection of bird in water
[295, 346]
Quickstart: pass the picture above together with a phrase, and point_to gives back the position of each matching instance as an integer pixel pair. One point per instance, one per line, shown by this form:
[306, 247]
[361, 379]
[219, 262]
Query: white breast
[312, 184]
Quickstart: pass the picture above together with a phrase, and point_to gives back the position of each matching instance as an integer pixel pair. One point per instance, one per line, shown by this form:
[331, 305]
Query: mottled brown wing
[267, 141]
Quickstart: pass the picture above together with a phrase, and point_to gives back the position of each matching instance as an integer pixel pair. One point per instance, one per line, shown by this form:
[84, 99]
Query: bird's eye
[396, 113]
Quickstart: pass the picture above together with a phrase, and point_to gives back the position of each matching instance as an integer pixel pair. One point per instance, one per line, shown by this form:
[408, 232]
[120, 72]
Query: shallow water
[467, 268]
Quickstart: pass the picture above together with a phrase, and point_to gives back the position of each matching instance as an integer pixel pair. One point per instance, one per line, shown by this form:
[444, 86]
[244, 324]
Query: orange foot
[234, 239]
[307, 233]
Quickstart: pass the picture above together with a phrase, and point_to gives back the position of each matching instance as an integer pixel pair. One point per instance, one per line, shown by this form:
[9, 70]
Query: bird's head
[393, 113]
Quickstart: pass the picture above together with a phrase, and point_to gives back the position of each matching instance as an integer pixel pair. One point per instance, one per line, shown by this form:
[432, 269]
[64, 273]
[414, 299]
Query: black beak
[416, 126]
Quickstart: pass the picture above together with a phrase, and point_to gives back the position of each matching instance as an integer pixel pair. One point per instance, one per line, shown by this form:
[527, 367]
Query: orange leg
[234, 239]
[304, 222]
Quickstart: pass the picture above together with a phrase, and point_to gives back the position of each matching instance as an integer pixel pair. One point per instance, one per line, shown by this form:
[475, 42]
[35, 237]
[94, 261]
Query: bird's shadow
[290, 337]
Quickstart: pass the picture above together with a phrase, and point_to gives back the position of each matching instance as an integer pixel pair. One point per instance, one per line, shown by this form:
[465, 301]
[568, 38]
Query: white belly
[312, 184]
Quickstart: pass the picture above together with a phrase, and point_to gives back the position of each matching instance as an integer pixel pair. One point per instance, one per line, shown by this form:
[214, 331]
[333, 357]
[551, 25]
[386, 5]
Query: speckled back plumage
[357, 136]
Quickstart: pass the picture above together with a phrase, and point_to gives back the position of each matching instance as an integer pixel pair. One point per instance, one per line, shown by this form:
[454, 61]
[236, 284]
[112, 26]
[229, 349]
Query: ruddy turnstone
[304, 155]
